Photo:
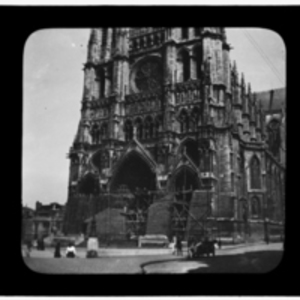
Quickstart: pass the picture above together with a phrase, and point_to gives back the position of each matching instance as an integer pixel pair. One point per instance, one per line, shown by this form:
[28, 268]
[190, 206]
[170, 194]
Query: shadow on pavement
[251, 262]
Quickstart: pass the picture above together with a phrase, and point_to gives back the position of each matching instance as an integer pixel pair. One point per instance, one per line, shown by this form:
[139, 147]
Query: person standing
[179, 246]
[28, 248]
[71, 251]
[174, 246]
[267, 240]
[57, 250]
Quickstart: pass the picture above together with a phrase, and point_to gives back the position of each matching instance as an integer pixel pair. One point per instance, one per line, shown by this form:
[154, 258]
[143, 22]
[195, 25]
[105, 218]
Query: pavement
[104, 252]
[183, 265]
[126, 261]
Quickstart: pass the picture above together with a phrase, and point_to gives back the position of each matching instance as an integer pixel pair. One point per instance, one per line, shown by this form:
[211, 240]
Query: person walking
[57, 250]
[173, 245]
[191, 243]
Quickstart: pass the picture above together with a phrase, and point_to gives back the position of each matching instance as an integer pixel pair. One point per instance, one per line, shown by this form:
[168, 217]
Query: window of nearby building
[255, 176]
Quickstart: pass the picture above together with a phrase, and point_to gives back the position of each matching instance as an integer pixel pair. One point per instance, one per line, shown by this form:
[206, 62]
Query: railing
[188, 91]
[143, 103]
[135, 32]
[154, 95]
[145, 39]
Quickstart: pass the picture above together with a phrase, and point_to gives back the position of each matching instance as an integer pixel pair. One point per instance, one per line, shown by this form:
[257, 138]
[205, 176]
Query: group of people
[177, 246]
[70, 250]
[191, 245]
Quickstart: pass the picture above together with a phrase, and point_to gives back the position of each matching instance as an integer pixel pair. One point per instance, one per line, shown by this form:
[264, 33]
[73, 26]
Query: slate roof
[279, 98]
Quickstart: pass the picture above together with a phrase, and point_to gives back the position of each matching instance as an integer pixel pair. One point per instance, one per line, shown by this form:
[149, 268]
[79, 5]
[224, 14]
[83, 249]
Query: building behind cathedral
[173, 141]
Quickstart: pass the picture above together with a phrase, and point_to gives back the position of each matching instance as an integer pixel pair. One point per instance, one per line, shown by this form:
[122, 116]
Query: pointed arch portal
[134, 172]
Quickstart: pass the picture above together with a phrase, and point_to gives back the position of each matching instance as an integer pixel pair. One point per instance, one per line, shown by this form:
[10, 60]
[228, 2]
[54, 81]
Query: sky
[53, 88]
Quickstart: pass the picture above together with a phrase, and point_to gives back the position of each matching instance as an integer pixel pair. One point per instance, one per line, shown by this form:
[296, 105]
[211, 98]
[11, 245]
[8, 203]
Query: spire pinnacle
[255, 100]
[234, 67]
[243, 80]
[94, 36]
[249, 88]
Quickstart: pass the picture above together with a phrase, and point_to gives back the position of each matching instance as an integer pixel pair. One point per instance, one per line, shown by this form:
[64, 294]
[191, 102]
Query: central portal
[135, 182]
[134, 173]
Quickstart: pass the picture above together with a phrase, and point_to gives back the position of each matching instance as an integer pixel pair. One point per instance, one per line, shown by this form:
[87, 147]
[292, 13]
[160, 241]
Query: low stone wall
[235, 231]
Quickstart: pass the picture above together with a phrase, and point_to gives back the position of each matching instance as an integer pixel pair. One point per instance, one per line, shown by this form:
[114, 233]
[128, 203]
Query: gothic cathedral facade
[170, 130]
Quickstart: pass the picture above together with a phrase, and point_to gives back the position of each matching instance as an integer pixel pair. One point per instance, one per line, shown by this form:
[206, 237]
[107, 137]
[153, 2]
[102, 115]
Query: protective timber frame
[136, 213]
[180, 212]
[181, 209]
[137, 196]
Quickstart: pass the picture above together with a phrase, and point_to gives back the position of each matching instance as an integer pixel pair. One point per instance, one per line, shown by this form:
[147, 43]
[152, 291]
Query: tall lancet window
[184, 32]
[186, 66]
[255, 176]
[114, 38]
[103, 42]
[197, 59]
[101, 78]
[128, 130]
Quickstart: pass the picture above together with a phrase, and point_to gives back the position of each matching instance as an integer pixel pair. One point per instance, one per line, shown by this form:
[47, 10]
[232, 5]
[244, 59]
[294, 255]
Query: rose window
[149, 76]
